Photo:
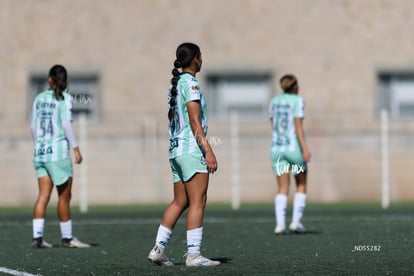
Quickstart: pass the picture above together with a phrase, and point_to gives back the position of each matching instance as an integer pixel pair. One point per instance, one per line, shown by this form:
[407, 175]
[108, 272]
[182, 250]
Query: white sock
[38, 227]
[299, 204]
[66, 229]
[194, 237]
[163, 237]
[280, 209]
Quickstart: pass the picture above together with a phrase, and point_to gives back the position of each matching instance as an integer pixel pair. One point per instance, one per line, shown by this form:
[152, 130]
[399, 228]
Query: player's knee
[199, 203]
[43, 199]
[180, 203]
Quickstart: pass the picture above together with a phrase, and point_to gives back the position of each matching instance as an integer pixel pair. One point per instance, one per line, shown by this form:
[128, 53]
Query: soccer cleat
[297, 227]
[73, 243]
[39, 243]
[157, 256]
[280, 230]
[194, 259]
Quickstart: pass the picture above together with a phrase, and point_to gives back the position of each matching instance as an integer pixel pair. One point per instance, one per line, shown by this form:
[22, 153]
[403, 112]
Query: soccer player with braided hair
[289, 153]
[191, 158]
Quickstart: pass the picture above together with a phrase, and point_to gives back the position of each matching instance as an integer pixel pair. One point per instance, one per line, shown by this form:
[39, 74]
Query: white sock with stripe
[38, 227]
[163, 237]
[194, 237]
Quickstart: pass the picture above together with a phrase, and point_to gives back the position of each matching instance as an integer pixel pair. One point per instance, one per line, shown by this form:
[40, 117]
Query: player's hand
[211, 162]
[306, 155]
[78, 156]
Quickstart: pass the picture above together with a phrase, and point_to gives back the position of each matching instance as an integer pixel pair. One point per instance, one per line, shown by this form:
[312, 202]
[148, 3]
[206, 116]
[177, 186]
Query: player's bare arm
[300, 133]
[193, 108]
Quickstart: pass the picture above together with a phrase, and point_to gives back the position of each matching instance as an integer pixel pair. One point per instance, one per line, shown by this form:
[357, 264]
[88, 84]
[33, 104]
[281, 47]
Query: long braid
[174, 81]
[184, 55]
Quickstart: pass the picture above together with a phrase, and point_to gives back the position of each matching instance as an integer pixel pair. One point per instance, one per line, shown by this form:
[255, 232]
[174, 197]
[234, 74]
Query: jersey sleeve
[68, 131]
[270, 110]
[299, 109]
[65, 113]
[65, 108]
[192, 91]
[33, 126]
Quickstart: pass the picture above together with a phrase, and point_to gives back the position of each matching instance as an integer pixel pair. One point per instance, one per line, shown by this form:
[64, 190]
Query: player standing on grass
[289, 153]
[52, 133]
[191, 158]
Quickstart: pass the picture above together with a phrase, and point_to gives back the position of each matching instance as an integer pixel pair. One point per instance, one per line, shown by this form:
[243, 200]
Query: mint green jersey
[48, 114]
[182, 140]
[282, 111]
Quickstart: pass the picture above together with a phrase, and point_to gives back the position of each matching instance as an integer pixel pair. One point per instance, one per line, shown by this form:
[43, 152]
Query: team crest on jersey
[195, 90]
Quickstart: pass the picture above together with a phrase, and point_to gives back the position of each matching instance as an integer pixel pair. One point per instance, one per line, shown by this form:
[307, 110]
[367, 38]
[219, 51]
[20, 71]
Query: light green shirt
[182, 140]
[282, 110]
[47, 116]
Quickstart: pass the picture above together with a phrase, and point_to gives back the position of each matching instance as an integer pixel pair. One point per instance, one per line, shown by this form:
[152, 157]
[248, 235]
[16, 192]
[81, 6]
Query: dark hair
[59, 77]
[185, 53]
[288, 82]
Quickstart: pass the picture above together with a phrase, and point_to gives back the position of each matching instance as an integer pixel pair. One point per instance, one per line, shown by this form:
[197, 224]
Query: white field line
[15, 272]
[143, 221]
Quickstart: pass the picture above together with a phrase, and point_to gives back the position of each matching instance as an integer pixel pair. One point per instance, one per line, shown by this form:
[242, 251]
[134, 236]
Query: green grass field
[343, 239]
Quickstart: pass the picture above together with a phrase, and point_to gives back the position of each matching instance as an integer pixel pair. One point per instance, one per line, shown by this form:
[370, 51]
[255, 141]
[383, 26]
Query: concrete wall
[334, 47]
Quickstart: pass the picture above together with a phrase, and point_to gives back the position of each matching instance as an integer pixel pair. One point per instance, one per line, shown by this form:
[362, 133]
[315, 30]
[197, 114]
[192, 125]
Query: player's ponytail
[185, 53]
[59, 77]
[173, 96]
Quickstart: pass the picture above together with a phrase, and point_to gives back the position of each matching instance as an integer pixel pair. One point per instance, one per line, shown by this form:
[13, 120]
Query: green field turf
[343, 239]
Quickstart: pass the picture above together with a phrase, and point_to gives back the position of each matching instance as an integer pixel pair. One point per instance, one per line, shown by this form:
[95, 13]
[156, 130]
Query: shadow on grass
[59, 246]
[222, 260]
[307, 233]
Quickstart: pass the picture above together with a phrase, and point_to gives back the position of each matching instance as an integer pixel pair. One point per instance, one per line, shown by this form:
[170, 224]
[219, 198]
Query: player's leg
[281, 201]
[301, 180]
[61, 172]
[63, 210]
[196, 189]
[170, 217]
[281, 169]
[299, 203]
[39, 211]
[45, 189]
[177, 206]
[65, 195]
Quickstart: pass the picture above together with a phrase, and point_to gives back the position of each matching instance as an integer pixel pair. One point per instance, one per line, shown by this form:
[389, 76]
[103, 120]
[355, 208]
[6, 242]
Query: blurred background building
[353, 58]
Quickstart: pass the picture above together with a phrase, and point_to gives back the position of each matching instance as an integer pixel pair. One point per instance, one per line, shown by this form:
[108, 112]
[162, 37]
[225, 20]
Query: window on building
[245, 94]
[396, 93]
[84, 89]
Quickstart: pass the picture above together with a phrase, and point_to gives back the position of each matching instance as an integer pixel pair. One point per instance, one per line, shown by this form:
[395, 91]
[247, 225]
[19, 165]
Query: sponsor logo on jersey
[45, 105]
[42, 151]
[173, 144]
